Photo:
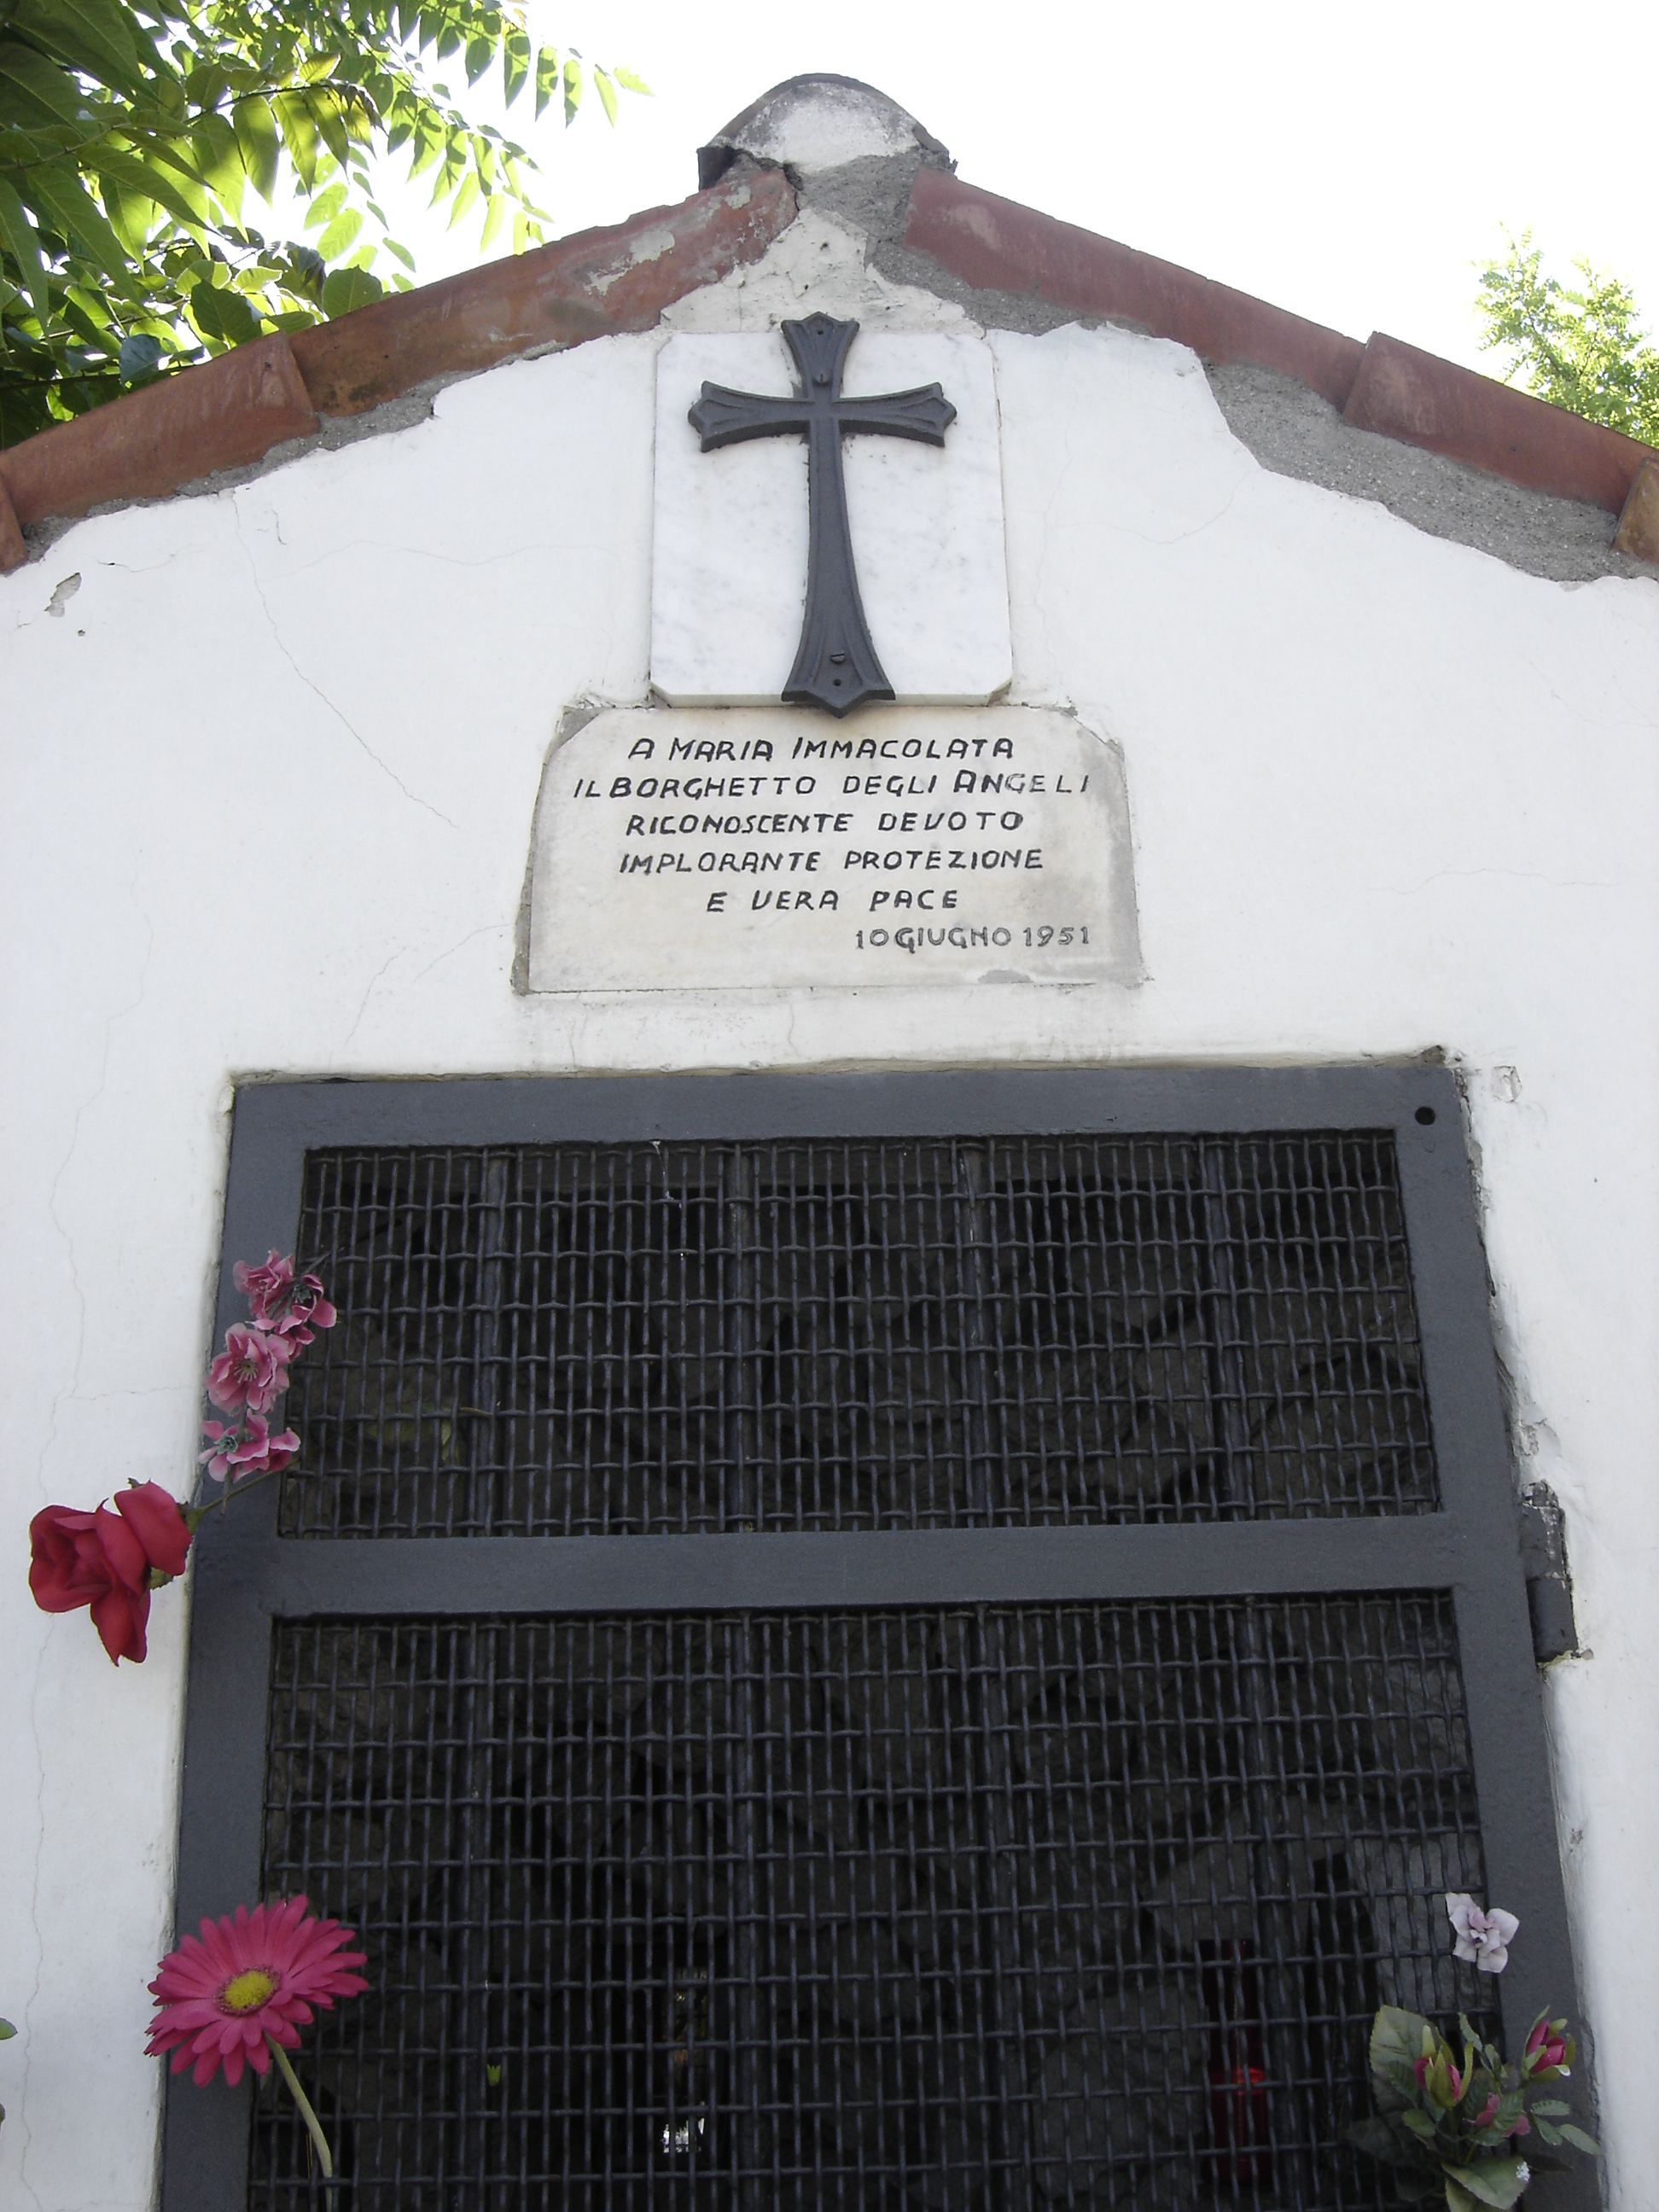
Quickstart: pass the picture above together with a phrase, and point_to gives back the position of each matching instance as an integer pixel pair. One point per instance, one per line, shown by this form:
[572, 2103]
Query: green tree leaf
[1585, 349]
[19, 238]
[219, 161]
[465, 198]
[300, 136]
[58, 194]
[93, 35]
[158, 182]
[221, 314]
[515, 64]
[346, 288]
[34, 89]
[340, 236]
[630, 82]
[138, 356]
[325, 205]
[124, 170]
[547, 76]
[259, 143]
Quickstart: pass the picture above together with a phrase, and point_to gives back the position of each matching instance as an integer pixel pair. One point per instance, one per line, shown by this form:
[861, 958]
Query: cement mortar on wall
[1295, 432]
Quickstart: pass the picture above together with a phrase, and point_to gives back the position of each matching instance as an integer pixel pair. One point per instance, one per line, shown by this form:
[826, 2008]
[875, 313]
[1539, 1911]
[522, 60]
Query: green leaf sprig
[132, 133]
[1582, 348]
[1448, 2128]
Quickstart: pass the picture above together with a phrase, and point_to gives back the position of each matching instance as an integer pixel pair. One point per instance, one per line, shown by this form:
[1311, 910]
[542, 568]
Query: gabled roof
[233, 411]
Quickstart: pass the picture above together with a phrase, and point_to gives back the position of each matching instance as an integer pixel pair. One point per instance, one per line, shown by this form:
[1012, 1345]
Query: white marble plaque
[777, 848]
[728, 578]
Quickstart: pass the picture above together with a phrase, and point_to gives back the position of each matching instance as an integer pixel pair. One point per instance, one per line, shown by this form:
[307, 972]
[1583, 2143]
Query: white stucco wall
[268, 783]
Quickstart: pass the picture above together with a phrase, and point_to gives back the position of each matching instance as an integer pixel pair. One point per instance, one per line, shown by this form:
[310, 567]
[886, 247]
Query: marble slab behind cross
[729, 555]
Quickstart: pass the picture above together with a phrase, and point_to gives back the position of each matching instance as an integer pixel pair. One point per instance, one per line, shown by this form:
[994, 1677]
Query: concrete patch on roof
[649, 245]
[1295, 432]
[821, 262]
[818, 122]
[874, 196]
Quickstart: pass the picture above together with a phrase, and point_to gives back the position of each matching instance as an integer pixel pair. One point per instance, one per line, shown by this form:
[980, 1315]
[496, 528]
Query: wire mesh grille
[957, 1908]
[903, 1334]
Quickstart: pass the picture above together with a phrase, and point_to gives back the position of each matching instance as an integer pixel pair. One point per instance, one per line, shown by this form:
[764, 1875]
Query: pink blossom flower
[1549, 2052]
[265, 1288]
[252, 1370]
[1483, 1938]
[218, 1999]
[249, 1449]
[281, 1303]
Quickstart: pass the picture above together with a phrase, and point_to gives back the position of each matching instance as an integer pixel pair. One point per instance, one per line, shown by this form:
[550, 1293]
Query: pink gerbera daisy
[249, 1979]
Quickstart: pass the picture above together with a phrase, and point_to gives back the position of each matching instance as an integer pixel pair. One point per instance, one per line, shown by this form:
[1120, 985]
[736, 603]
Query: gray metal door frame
[246, 1576]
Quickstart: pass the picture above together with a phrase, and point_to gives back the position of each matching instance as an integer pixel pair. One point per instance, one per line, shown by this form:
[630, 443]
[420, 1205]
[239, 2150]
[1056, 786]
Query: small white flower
[1524, 2174]
[1483, 1938]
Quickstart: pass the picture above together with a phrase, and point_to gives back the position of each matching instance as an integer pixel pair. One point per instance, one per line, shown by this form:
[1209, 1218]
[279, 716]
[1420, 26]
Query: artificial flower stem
[195, 1514]
[304, 2102]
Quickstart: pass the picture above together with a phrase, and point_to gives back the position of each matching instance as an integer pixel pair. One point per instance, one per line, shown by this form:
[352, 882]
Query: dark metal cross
[836, 665]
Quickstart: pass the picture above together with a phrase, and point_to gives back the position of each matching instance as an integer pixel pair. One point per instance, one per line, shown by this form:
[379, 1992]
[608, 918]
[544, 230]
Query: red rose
[154, 1518]
[103, 1560]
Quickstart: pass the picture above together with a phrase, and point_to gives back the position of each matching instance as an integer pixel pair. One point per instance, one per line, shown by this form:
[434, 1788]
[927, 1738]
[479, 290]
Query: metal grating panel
[1084, 1905]
[605, 1340]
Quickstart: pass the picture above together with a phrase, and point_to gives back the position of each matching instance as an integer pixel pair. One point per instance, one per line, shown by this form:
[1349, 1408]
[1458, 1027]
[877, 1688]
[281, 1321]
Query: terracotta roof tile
[13, 551]
[1637, 533]
[1382, 386]
[1406, 393]
[591, 285]
[998, 246]
[225, 413]
[232, 410]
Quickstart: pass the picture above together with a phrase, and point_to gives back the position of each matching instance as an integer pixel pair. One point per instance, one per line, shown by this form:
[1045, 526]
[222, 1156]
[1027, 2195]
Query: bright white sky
[1349, 163]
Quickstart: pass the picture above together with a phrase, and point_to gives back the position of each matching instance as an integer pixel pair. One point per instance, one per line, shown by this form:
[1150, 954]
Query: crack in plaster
[131, 569]
[1599, 724]
[449, 952]
[1180, 537]
[363, 1006]
[58, 1399]
[81, 1112]
[1050, 548]
[1519, 875]
[598, 547]
[280, 643]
